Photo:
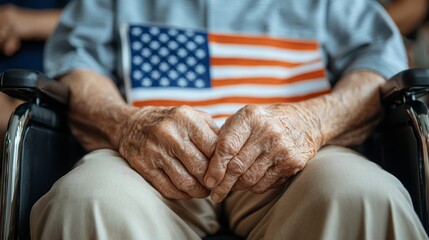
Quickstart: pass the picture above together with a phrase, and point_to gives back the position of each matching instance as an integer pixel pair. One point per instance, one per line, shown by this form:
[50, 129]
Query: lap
[105, 186]
[335, 174]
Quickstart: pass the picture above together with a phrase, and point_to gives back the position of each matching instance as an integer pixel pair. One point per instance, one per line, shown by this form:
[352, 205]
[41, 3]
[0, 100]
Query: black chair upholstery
[38, 170]
[405, 136]
[39, 148]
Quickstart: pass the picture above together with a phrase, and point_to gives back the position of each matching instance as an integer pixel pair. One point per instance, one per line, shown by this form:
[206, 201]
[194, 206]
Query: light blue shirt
[353, 34]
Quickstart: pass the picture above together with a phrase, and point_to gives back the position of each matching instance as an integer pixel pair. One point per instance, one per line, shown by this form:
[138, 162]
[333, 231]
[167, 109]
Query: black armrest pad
[30, 85]
[406, 83]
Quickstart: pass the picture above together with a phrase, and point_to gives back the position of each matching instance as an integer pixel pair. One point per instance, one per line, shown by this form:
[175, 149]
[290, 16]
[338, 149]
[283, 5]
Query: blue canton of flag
[169, 57]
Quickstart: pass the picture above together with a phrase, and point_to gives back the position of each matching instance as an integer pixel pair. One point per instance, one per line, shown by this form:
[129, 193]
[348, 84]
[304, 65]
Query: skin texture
[172, 150]
[407, 14]
[18, 24]
[178, 150]
[260, 147]
[169, 146]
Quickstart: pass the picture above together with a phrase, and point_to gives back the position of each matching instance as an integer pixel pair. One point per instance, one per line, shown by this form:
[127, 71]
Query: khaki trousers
[339, 195]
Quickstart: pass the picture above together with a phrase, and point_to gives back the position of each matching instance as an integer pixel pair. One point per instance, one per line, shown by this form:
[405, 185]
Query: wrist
[307, 115]
[96, 109]
[121, 121]
[313, 111]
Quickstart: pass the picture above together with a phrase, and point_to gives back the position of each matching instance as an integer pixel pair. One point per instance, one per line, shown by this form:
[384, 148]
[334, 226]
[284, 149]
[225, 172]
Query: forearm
[39, 24]
[349, 113]
[97, 110]
[407, 14]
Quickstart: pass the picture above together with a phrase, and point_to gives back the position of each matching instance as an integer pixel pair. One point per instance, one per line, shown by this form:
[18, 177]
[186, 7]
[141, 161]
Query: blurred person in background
[407, 14]
[411, 17]
[24, 27]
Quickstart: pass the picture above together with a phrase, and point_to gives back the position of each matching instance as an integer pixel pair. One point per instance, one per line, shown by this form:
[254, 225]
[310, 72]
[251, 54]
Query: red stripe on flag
[255, 62]
[269, 81]
[267, 41]
[221, 115]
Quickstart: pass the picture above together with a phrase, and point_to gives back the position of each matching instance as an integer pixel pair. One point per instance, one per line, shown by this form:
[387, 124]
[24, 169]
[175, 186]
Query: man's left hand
[260, 147]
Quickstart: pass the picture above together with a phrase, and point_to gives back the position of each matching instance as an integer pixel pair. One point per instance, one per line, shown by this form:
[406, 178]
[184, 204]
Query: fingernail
[210, 182]
[215, 197]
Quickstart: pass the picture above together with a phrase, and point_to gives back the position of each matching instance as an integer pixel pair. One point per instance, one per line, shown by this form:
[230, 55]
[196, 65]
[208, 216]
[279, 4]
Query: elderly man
[232, 106]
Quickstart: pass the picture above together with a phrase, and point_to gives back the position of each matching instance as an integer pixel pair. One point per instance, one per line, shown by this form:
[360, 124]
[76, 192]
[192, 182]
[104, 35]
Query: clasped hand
[183, 154]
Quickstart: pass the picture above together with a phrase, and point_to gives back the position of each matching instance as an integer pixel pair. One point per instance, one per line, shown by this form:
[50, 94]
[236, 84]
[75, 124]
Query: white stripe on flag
[220, 121]
[184, 94]
[228, 72]
[262, 53]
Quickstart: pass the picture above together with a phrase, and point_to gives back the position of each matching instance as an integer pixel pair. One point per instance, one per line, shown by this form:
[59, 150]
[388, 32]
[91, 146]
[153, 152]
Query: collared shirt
[342, 35]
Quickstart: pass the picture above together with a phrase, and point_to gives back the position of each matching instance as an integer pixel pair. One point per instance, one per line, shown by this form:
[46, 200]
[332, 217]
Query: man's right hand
[170, 147]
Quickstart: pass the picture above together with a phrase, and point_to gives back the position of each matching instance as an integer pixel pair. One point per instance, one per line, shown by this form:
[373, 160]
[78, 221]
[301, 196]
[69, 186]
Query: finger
[210, 122]
[176, 144]
[255, 172]
[212, 125]
[194, 125]
[280, 182]
[237, 167]
[190, 156]
[11, 45]
[161, 182]
[271, 176]
[204, 138]
[231, 139]
[183, 180]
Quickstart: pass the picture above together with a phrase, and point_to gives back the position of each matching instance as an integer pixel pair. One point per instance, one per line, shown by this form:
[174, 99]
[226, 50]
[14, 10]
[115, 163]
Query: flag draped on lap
[218, 73]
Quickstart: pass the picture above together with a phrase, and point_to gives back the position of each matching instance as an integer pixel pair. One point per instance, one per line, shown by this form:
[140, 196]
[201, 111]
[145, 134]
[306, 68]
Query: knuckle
[163, 128]
[227, 147]
[238, 186]
[188, 184]
[199, 170]
[253, 110]
[182, 110]
[259, 190]
[276, 130]
[167, 193]
[248, 179]
[221, 190]
[291, 167]
[274, 136]
[300, 165]
[236, 167]
[152, 175]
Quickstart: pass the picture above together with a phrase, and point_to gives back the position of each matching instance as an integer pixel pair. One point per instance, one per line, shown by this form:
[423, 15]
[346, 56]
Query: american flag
[218, 73]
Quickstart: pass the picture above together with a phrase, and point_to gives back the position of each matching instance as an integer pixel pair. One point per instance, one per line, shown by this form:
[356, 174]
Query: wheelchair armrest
[33, 86]
[38, 147]
[404, 151]
[406, 85]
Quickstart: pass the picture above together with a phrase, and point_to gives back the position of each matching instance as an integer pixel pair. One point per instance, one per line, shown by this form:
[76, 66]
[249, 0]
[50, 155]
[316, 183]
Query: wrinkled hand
[170, 147]
[260, 147]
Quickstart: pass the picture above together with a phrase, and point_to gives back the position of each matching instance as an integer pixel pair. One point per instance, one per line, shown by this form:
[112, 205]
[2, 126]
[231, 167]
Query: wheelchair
[39, 149]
